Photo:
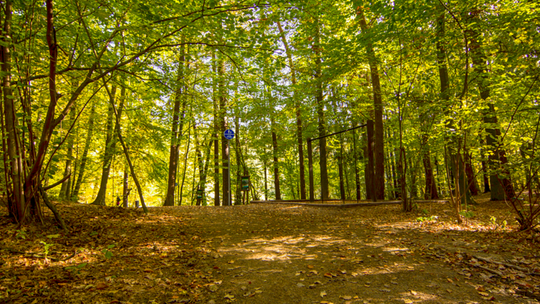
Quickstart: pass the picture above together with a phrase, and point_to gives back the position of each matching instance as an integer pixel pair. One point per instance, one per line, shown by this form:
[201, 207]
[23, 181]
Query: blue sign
[229, 134]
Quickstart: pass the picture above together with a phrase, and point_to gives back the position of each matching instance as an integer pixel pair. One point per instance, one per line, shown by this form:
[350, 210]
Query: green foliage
[46, 248]
[20, 234]
[108, 254]
[76, 268]
[467, 214]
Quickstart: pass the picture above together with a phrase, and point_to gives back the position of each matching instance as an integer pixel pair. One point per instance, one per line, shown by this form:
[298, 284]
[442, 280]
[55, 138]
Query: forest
[405, 132]
[127, 102]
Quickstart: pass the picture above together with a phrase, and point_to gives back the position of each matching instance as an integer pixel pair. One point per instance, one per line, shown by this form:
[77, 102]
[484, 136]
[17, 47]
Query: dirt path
[266, 254]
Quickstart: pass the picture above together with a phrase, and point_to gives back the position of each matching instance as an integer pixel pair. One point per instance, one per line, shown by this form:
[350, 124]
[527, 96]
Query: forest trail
[268, 254]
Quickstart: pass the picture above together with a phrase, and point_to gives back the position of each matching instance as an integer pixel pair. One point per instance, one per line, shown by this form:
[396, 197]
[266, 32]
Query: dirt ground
[268, 253]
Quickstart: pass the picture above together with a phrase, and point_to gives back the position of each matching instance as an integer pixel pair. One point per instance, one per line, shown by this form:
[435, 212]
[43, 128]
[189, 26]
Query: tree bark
[237, 150]
[216, 130]
[65, 191]
[177, 123]
[369, 170]
[223, 126]
[84, 157]
[473, 186]
[378, 149]
[110, 145]
[431, 186]
[16, 200]
[125, 187]
[320, 112]
[276, 163]
[297, 106]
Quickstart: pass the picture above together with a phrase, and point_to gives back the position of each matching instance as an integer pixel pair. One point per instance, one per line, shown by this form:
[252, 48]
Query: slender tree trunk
[186, 156]
[265, 181]
[237, 149]
[216, 131]
[16, 200]
[378, 149]
[473, 186]
[223, 126]
[297, 106]
[485, 174]
[356, 171]
[395, 174]
[110, 145]
[340, 169]
[65, 191]
[370, 165]
[431, 186]
[84, 157]
[276, 163]
[125, 187]
[117, 114]
[177, 121]
[320, 112]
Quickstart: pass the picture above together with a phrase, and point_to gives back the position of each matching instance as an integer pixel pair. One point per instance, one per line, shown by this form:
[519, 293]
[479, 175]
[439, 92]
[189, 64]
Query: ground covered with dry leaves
[269, 253]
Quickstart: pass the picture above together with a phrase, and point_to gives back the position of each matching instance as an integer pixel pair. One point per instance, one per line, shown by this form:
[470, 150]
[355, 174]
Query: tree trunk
[84, 157]
[65, 191]
[340, 170]
[378, 149]
[237, 150]
[276, 163]
[126, 154]
[125, 187]
[297, 106]
[501, 184]
[320, 112]
[473, 186]
[110, 145]
[16, 202]
[177, 122]
[431, 186]
[223, 126]
[356, 171]
[186, 156]
[216, 131]
[370, 166]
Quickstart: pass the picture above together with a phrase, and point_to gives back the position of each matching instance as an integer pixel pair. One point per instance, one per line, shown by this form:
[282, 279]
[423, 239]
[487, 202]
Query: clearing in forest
[269, 254]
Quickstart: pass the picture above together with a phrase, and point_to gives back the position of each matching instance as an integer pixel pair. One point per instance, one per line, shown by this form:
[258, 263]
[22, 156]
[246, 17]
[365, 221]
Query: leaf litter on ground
[268, 254]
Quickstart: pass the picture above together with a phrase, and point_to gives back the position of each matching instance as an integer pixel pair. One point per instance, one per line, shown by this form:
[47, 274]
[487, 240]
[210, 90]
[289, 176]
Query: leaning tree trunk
[110, 144]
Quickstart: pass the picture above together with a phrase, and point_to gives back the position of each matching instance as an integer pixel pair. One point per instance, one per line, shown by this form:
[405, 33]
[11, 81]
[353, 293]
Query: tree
[177, 125]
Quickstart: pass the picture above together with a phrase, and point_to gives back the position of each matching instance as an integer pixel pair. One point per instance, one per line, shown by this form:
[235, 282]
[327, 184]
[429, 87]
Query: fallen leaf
[101, 285]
